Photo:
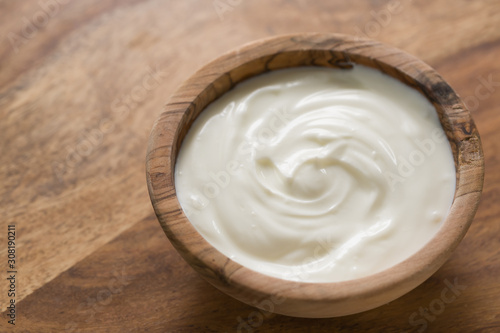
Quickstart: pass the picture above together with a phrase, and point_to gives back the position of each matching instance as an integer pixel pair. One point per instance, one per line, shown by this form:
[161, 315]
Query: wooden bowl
[304, 299]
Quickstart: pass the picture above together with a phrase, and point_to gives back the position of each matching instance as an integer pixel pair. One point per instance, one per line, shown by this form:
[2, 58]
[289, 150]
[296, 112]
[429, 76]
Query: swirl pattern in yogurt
[317, 174]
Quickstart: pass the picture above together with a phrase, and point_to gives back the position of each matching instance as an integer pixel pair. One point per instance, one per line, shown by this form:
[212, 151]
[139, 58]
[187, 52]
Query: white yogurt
[317, 174]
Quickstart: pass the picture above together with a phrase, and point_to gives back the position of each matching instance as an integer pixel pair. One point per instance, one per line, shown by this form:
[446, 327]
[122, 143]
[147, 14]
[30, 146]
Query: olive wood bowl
[303, 299]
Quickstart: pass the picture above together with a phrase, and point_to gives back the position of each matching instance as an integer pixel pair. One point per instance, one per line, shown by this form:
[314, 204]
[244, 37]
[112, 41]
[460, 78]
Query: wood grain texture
[93, 257]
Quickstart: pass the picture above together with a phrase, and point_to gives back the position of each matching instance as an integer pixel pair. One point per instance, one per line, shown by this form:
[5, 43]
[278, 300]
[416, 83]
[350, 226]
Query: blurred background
[81, 83]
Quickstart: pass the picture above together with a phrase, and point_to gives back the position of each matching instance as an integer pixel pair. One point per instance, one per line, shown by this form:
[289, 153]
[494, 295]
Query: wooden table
[81, 83]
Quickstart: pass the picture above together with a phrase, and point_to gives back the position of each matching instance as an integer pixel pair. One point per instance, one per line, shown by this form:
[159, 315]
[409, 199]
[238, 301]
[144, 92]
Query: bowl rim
[341, 51]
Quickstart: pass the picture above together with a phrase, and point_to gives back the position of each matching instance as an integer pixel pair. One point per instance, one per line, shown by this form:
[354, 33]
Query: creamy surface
[316, 174]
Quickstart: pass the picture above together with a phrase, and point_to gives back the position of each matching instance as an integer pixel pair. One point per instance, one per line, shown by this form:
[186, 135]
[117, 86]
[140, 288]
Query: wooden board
[81, 84]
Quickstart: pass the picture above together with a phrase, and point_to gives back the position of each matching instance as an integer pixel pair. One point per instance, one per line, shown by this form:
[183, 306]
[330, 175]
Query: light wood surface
[93, 257]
